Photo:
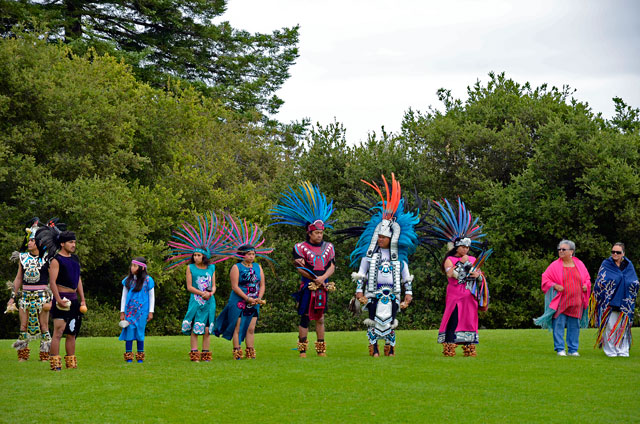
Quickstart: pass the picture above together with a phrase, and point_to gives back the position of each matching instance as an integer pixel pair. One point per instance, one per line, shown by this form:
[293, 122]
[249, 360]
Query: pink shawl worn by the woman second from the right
[553, 275]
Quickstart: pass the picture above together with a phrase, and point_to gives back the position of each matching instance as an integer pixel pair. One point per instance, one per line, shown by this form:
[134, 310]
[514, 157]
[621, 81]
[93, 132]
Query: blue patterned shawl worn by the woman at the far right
[615, 288]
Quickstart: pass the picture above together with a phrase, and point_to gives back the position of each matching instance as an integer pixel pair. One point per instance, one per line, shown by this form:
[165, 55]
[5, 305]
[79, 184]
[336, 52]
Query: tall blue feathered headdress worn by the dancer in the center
[388, 219]
[306, 207]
